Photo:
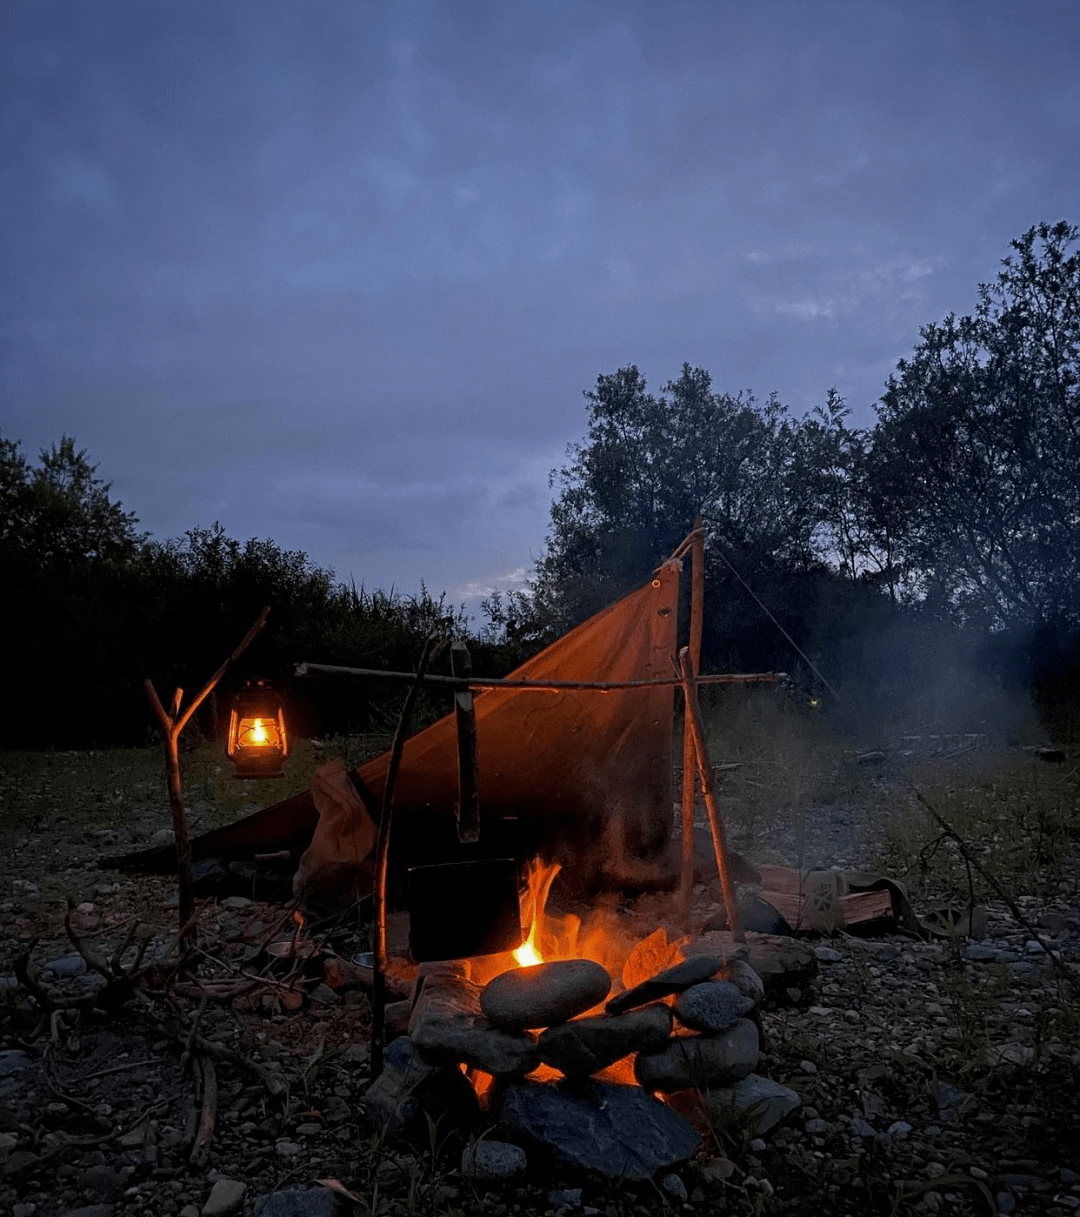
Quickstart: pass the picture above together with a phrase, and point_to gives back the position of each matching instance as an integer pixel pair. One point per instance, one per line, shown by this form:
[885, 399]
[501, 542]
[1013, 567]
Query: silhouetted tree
[775, 494]
[59, 513]
[975, 464]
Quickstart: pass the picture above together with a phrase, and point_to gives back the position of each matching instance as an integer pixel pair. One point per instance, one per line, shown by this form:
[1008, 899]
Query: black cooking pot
[460, 909]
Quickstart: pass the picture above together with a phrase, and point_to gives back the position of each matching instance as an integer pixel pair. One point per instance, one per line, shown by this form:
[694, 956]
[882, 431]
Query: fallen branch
[273, 1081]
[204, 1134]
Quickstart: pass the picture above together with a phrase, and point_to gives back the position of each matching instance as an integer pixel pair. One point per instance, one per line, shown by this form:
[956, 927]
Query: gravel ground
[935, 1077]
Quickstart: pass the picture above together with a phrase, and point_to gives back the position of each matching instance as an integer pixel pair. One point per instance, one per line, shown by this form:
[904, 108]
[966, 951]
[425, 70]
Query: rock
[713, 1006]
[670, 980]
[763, 1102]
[716, 942]
[67, 966]
[410, 1087]
[619, 1132]
[565, 1197]
[101, 1180]
[447, 1026]
[587, 1045]
[675, 1188]
[715, 1170]
[90, 1210]
[492, 1160]
[700, 1060]
[226, 1197]
[780, 962]
[745, 979]
[544, 994]
[754, 914]
[1018, 1055]
[827, 955]
[163, 836]
[397, 1015]
[235, 903]
[13, 1060]
[300, 1202]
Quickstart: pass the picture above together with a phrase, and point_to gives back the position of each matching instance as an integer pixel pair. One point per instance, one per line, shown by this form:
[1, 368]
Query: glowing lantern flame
[258, 732]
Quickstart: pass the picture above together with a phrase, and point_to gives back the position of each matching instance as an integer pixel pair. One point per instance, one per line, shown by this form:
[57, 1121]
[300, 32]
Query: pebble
[674, 1187]
[492, 1160]
[828, 955]
[226, 1197]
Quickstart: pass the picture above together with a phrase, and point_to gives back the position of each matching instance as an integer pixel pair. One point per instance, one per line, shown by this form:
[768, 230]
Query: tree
[60, 513]
[774, 492]
[648, 466]
[975, 462]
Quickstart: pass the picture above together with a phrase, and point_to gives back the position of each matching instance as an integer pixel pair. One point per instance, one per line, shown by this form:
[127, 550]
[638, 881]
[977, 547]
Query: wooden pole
[382, 859]
[704, 768]
[172, 724]
[697, 602]
[468, 805]
[539, 686]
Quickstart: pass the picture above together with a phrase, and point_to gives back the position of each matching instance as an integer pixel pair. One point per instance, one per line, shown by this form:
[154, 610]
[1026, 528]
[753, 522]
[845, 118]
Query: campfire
[591, 1042]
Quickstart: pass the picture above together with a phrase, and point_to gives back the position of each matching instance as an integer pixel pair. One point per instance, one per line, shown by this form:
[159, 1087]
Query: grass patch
[1022, 823]
[116, 787]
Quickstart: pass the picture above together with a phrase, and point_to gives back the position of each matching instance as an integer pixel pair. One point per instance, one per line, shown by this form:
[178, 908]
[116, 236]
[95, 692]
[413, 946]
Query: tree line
[953, 523]
[95, 608]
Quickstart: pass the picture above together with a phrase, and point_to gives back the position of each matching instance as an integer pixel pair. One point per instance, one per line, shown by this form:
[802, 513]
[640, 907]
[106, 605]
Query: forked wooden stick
[172, 723]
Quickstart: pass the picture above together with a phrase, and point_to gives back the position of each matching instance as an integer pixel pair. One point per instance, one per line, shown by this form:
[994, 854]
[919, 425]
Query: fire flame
[258, 732]
[551, 936]
[541, 876]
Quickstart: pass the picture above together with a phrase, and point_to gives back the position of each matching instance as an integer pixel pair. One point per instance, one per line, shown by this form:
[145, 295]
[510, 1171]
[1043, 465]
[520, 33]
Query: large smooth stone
[763, 1102]
[448, 1026]
[588, 1045]
[619, 1132]
[670, 980]
[410, 1088]
[701, 1061]
[544, 994]
[713, 1006]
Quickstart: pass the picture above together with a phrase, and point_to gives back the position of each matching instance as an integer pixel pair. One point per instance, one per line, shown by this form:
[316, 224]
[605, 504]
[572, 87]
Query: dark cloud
[337, 273]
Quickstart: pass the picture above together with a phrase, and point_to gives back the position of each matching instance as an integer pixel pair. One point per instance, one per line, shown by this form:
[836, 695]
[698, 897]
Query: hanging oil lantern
[257, 743]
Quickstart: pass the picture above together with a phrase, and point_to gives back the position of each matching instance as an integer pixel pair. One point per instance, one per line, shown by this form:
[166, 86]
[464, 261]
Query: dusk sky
[337, 273]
